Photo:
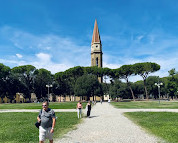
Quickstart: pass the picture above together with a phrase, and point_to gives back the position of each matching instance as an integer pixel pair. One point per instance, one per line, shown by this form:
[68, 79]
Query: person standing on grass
[48, 120]
[79, 109]
[88, 106]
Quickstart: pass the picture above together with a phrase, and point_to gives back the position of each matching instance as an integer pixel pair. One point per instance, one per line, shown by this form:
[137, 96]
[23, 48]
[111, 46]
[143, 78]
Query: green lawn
[20, 128]
[53, 105]
[146, 105]
[161, 124]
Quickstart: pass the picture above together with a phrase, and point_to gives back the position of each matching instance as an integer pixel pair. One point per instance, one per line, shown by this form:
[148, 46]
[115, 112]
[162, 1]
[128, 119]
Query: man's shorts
[44, 133]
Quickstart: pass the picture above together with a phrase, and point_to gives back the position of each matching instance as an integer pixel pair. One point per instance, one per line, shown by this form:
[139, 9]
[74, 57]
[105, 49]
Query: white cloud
[48, 47]
[111, 66]
[13, 63]
[56, 53]
[53, 67]
[166, 63]
[140, 37]
[19, 55]
[44, 58]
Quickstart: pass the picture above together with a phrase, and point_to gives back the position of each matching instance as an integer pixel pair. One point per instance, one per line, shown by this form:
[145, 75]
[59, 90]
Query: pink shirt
[79, 105]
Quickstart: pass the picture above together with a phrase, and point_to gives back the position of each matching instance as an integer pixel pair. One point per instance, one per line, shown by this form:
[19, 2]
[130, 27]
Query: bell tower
[96, 50]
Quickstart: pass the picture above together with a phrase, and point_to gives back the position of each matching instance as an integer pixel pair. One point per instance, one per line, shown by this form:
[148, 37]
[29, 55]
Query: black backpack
[37, 124]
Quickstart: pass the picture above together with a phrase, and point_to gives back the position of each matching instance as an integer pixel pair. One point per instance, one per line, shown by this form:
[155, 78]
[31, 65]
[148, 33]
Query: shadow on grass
[126, 100]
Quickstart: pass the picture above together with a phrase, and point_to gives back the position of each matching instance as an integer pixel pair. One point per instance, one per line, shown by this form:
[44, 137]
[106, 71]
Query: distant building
[4, 100]
[106, 97]
[19, 98]
[33, 97]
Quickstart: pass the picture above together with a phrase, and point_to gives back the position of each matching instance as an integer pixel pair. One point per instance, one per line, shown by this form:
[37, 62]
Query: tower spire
[96, 50]
[96, 35]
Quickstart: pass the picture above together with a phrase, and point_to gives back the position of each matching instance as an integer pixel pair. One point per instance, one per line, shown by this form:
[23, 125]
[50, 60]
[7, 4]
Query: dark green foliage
[138, 88]
[87, 85]
[118, 89]
[105, 88]
[42, 78]
[71, 75]
[125, 72]
[144, 69]
[27, 79]
[4, 71]
[152, 88]
[60, 85]
[26, 76]
[4, 78]
[172, 84]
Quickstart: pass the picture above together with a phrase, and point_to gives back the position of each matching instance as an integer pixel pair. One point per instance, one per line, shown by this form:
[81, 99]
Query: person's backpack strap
[40, 113]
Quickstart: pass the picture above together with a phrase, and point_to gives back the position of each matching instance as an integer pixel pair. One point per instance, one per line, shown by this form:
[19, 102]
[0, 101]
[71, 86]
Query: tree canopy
[83, 81]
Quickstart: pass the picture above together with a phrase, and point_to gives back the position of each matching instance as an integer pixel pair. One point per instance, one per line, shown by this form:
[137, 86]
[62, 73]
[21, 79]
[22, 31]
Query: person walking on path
[79, 109]
[88, 106]
[48, 120]
[109, 100]
[101, 100]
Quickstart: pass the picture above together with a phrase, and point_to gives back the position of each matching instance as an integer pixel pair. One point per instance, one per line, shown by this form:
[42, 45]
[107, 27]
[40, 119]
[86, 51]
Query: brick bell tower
[96, 50]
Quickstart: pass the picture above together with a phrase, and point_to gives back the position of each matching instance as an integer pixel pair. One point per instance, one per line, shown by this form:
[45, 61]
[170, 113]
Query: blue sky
[57, 34]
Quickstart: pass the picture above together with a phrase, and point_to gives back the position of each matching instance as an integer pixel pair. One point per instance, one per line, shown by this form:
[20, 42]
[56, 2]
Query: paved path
[108, 125]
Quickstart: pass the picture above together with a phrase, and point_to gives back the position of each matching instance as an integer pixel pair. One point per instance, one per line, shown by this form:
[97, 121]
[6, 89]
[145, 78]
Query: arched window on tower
[97, 61]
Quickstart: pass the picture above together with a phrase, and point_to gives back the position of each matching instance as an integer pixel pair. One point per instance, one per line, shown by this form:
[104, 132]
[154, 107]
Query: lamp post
[159, 84]
[48, 86]
[105, 85]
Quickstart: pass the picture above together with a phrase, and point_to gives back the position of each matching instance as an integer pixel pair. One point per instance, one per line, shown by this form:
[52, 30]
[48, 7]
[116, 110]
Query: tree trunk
[130, 89]
[145, 89]
[132, 93]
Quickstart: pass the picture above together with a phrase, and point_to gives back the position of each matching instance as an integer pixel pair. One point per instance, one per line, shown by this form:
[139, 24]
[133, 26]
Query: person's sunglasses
[44, 105]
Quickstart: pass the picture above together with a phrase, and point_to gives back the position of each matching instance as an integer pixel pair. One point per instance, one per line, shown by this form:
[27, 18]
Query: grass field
[146, 105]
[20, 128]
[161, 124]
[53, 105]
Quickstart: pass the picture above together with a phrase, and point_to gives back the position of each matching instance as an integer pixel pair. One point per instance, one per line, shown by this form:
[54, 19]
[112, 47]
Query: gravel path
[108, 125]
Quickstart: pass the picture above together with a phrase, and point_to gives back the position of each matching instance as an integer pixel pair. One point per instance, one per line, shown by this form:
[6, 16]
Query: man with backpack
[48, 120]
